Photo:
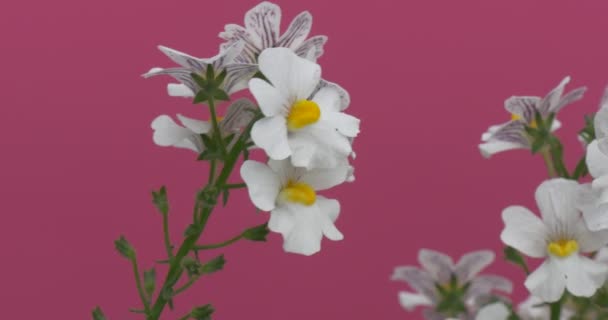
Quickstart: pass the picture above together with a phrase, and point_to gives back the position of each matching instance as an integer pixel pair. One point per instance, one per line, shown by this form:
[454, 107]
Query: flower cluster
[302, 126]
[298, 121]
[570, 235]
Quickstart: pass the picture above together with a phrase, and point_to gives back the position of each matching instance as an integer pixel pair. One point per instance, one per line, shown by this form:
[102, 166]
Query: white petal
[597, 161]
[488, 149]
[485, 284]
[494, 311]
[318, 146]
[328, 99]
[344, 123]
[306, 235]
[195, 125]
[600, 121]
[410, 301]
[329, 209]
[589, 241]
[602, 256]
[557, 200]
[418, 279]
[281, 221]
[289, 73]
[262, 183]
[297, 31]
[472, 263]
[272, 101]
[595, 213]
[524, 231]
[437, 264]
[168, 133]
[583, 275]
[183, 59]
[262, 21]
[312, 48]
[270, 134]
[179, 90]
[533, 308]
[551, 100]
[546, 282]
[321, 179]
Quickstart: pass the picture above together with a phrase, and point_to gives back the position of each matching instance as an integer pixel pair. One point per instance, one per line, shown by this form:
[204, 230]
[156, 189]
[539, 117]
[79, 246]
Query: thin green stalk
[216, 126]
[185, 287]
[219, 245]
[556, 310]
[190, 241]
[166, 236]
[212, 168]
[549, 163]
[140, 288]
[235, 185]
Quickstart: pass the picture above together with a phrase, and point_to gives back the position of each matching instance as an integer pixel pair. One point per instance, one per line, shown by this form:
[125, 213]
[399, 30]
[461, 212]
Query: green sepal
[98, 314]
[160, 200]
[200, 97]
[257, 233]
[202, 82]
[221, 77]
[124, 248]
[202, 313]
[260, 75]
[581, 169]
[588, 132]
[192, 266]
[214, 265]
[515, 257]
[150, 281]
[210, 73]
[220, 95]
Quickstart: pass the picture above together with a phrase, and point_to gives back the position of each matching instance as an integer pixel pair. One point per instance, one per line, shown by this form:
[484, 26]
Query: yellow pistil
[303, 113]
[516, 117]
[562, 248]
[299, 192]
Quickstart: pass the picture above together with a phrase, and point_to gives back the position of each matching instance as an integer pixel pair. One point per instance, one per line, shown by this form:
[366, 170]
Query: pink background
[426, 78]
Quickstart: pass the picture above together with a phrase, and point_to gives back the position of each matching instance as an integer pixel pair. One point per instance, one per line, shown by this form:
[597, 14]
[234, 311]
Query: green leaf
[124, 248]
[160, 200]
[98, 314]
[208, 142]
[257, 233]
[150, 281]
[215, 264]
[202, 313]
[515, 257]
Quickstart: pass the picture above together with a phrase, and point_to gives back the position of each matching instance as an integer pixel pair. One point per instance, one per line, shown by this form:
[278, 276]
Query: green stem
[219, 245]
[549, 162]
[212, 168]
[190, 241]
[235, 186]
[556, 310]
[216, 126]
[166, 236]
[185, 287]
[140, 288]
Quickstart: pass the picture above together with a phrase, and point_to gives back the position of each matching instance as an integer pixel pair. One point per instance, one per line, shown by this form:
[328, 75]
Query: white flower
[560, 237]
[303, 116]
[533, 308]
[438, 270]
[512, 134]
[594, 202]
[168, 133]
[296, 210]
[261, 31]
[236, 79]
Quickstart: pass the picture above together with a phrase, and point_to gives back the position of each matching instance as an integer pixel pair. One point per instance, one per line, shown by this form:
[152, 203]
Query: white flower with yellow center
[560, 237]
[188, 135]
[297, 212]
[262, 31]
[303, 118]
[594, 203]
[512, 134]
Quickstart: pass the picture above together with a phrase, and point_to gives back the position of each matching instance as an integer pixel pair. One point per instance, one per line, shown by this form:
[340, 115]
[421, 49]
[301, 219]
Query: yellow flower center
[303, 113]
[562, 248]
[516, 117]
[299, 192]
